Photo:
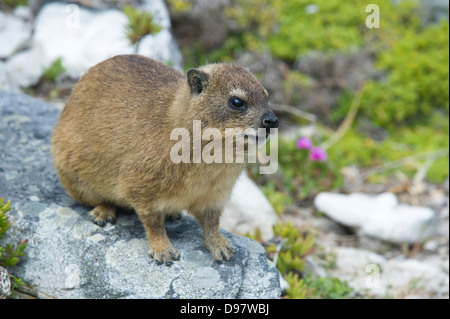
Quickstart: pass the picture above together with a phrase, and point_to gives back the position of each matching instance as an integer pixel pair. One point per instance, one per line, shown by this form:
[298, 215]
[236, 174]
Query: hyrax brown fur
[111, 144]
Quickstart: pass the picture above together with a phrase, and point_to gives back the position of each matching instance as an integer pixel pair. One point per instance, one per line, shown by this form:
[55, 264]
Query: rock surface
[379, 216]
[70, 257]
[400, 277]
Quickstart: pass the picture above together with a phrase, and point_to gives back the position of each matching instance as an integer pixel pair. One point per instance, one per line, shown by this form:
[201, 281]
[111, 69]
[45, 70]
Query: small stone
[431, 246]
[34, 198]
[379, 216]
[445, 265]
[284, 285]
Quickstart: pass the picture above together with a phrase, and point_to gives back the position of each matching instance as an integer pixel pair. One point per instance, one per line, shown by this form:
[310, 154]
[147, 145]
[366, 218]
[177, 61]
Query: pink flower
[304, 143]
[318, 155]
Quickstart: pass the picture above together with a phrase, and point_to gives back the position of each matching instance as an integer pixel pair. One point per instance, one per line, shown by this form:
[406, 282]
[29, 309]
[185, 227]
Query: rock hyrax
[111, 145]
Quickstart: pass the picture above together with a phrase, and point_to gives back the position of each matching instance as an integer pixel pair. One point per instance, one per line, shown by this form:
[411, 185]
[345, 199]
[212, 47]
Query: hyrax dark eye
[237, 103]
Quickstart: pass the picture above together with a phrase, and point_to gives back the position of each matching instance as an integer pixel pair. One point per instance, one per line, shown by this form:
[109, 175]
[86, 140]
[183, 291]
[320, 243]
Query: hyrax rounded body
[111, 145]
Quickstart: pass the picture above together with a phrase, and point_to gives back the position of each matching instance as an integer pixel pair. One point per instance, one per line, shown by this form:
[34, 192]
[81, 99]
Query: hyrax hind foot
[103, 214]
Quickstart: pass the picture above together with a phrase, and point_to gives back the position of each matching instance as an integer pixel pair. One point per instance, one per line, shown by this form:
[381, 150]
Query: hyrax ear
[198, 81]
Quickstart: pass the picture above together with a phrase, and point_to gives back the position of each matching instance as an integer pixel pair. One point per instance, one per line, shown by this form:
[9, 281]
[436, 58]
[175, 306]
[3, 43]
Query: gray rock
[5, 283]
[68, 256]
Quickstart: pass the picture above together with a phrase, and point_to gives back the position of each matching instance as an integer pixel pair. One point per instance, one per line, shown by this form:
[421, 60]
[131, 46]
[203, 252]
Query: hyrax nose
[270, 120]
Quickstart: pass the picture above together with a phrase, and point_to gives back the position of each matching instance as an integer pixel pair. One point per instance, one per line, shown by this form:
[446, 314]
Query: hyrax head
[230, 97]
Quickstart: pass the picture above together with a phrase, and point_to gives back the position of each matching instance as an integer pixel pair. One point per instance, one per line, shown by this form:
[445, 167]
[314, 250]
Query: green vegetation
[291, 28]
[317, 288]
[180, 6]
[416, 143]
[417, 78]
[337, 25]
[52, 73]
[278, 200]
[298, 177]
[15, 3]
[294, 249]
[289, 252]
[406, 104]
[140, 23]
[410, 102]
[10, 254]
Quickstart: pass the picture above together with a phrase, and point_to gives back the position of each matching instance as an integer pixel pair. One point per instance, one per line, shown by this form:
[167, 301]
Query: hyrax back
[111, 145]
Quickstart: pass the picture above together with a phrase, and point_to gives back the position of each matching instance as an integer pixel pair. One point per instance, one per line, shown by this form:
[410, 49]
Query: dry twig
[429, 156]
[347, 123]
[284, 108]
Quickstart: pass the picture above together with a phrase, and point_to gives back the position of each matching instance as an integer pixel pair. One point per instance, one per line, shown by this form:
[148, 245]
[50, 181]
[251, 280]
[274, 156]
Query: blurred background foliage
[404, 99]
[377, 100]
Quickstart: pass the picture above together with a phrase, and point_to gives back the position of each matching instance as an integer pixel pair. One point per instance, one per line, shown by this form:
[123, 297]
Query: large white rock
[83, 37]
[248, 209]
[25, 68]
[394, 278]
[159, 10]
[162, 47]
[379, 216]
[14, 34]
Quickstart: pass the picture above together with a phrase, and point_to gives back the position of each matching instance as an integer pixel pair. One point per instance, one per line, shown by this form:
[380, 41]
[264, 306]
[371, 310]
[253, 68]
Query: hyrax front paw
[164, 255]
[103, 214]
[220, 249]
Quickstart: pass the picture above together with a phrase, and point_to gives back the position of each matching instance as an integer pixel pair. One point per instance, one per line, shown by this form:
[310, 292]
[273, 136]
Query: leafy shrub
[16, 3]
[180, 6]
[317, 288]
[296, 246]
[255, 20]
[9, 254]
[290, 28]
[140, 23]
[290, 249]
[323, 26]
[278, 200]
[357, 149]
[303, 175]
[417, 78]
[52, 73]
